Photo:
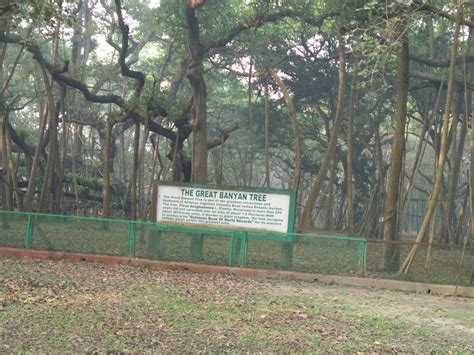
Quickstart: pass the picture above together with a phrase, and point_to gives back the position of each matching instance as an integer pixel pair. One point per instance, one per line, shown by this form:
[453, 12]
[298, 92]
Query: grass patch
[59, 306]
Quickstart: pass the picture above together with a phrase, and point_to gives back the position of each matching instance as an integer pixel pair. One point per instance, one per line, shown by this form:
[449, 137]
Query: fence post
[362, 256]
[131, 239]
[197, 248]
[154, 243]
[231, 249]
[243, 250]
[286, 254]
[29, 229]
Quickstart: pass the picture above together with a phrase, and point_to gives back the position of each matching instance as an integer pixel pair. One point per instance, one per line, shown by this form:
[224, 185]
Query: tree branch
[443, 63]
[126, 71]
[58, 74]
[433, 78]
[260, 20]
[224, 135]
[423, 6]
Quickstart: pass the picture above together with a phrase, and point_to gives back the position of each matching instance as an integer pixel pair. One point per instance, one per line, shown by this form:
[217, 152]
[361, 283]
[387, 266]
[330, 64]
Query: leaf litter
[57, 306]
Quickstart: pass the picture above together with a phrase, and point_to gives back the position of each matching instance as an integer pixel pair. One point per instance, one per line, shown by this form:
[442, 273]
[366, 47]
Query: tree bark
[350, 129]
[7, 176]
[330, 197]
[470, 104]
[106, 172]
[6, 188]
[267, 137]
[198, 85]
[133, 192]
[391, 254]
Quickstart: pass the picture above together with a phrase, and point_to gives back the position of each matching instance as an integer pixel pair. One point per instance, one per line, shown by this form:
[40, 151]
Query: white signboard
[215, 207]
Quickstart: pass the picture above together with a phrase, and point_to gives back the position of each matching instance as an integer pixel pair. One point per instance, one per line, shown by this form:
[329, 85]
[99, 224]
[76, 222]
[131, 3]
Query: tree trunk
[46, 189]
[7, 176]
[30, 192]
[350, 130]
[198, 85]
[470, 101]
[106, 173]
[305, 220]
[141, 160]
[456, 160]
[294, 127]
[267, 137]
[133, 191]
[6, 191]
[433, 199]
[391, 254]
[64, 145]
[330, 197]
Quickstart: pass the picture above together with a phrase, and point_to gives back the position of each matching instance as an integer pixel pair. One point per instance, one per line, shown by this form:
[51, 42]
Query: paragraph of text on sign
[252, 210]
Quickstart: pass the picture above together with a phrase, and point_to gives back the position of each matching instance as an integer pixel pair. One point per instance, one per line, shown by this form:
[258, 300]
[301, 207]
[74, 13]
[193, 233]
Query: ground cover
[56, 306]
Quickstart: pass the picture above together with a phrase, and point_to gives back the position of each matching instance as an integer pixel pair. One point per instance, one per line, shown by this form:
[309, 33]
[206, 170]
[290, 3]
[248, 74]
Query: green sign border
[291, 193]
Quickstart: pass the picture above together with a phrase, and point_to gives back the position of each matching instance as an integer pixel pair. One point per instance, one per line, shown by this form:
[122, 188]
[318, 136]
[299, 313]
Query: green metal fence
[310, 253]
[444, 264]
[215, 246]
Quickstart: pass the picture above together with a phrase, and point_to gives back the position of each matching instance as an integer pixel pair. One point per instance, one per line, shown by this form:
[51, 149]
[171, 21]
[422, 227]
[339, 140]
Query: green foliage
[91, 182]
[94, 183]
[47, 13]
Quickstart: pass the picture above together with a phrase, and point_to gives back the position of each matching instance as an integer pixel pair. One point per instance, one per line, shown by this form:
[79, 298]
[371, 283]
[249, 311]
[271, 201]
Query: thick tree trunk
[305, 220]
[198, 85]
[390, 233]
[199, 122]
[433, 199]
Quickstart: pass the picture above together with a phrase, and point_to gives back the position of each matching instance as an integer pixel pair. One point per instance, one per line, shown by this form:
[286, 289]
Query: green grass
[51, 306]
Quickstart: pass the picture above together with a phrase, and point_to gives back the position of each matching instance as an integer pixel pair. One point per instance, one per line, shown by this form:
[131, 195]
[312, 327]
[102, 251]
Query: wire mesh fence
[215, 246]
[443, 264]
[337, 255]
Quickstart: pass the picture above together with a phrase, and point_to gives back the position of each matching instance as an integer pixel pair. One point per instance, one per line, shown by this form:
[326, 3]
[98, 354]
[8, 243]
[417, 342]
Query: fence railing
[218, 246]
